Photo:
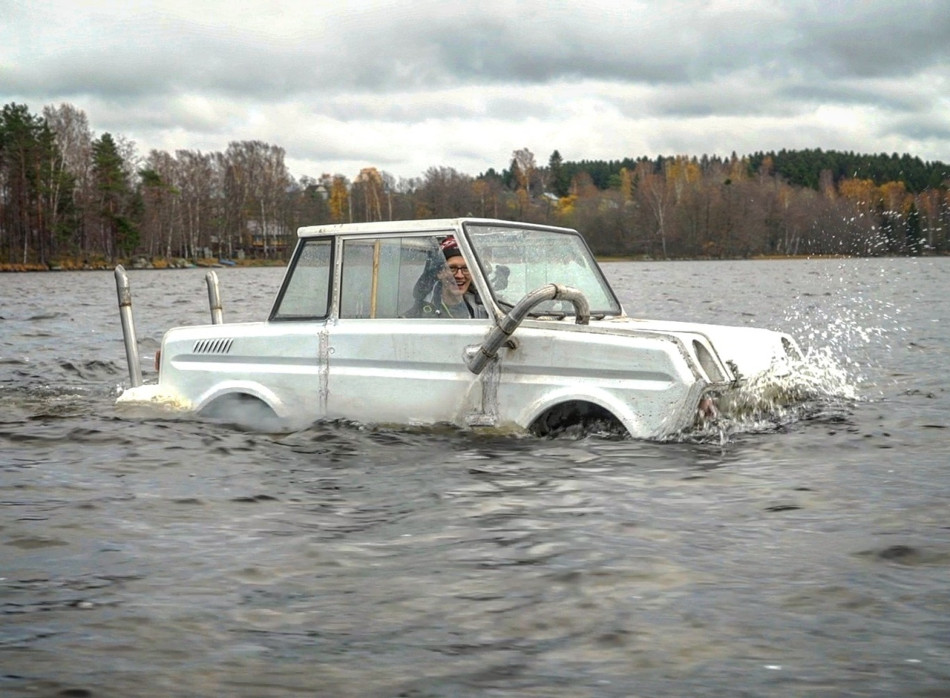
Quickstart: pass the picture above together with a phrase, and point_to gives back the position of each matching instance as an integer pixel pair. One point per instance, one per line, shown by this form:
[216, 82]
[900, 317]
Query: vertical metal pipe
[124, 292]
[375, 285]
[214, 299]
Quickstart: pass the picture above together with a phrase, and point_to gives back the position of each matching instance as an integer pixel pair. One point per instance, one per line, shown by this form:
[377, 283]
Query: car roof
[408, 226]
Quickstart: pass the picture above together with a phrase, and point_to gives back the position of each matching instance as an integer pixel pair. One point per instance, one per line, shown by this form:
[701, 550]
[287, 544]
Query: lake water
[806, 554]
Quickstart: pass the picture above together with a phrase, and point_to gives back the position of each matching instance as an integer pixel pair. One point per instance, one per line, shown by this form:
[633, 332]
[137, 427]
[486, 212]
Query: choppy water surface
[806, 554]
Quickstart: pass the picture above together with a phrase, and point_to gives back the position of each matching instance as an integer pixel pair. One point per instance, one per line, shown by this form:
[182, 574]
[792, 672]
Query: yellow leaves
[524, 199]
[738, 169]
[892, 196]
[370, 175]
[860, 190]
[565, 205]
[682, 170]
[626, 184]
[370, 183]
[339, 199]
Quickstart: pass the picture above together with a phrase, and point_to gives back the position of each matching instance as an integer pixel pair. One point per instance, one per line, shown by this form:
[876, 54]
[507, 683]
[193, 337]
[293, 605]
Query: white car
[542, 344]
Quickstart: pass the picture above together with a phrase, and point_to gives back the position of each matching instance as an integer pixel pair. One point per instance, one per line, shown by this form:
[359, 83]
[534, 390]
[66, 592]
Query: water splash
[845, 336]
[792, 390]
[818, 376]
[844, 329]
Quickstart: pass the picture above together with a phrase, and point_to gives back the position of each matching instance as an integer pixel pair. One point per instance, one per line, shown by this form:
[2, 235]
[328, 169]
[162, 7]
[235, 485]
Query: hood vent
[213, 346]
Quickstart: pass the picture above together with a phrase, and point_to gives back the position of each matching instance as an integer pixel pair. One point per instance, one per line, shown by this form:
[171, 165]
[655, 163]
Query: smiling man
[450, 296]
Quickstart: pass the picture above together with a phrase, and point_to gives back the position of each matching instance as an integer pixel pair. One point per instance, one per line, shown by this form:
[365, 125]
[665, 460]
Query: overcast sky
[404, 86]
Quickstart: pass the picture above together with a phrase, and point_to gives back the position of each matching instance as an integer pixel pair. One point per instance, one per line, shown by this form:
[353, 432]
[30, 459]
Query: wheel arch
[236, 392]
[563, 408]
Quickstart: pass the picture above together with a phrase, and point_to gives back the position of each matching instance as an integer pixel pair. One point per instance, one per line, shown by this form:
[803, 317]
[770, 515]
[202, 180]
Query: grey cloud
[711, 99]
[851, 93]
[373, 108]
[410, 51]
[516, 109]
[491, 65]
[351, 155]
[117, 73]
[873, 39]
[508, 53]
[930, 127]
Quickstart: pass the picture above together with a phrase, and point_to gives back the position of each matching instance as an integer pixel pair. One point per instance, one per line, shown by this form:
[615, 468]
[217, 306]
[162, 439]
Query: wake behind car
[474, 322]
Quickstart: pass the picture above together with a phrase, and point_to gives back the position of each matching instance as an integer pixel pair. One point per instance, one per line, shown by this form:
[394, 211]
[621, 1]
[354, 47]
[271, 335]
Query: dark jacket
[431, 305]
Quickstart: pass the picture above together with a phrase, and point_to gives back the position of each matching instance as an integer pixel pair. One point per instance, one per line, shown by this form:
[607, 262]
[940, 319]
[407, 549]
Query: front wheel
[577, 419]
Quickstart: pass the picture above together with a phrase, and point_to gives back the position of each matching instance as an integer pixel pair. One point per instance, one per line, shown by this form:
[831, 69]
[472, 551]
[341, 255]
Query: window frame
[292, 269]
[424, 235]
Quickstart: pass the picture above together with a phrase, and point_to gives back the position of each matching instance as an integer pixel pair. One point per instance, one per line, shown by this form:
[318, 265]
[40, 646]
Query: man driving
[451, 295]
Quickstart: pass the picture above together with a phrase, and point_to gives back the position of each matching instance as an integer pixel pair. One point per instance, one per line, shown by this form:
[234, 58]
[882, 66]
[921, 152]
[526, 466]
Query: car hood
[748, 350]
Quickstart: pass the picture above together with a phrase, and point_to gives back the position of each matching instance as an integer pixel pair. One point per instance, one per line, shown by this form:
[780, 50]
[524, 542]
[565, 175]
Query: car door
[385, 367]
[297, 339]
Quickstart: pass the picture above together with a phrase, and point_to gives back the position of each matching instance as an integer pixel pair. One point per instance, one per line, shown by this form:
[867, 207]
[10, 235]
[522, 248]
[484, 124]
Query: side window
[380, 274]
[307, 290]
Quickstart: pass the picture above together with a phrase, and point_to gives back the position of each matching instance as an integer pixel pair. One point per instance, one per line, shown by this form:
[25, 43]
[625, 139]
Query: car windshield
[517, 261]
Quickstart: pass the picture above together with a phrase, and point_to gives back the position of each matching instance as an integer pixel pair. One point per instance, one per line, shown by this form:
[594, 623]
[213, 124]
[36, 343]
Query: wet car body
[553, 350]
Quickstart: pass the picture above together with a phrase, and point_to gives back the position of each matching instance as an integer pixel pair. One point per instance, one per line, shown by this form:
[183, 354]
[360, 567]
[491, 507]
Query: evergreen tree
[119, 234]
[558, 179]
[27, 154]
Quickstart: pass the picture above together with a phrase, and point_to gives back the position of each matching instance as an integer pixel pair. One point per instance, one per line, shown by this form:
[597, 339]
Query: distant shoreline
[140, 263]
[173, 264]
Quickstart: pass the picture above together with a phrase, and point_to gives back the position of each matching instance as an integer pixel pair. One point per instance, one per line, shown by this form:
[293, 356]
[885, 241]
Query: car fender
[237, 387]
[617, 407]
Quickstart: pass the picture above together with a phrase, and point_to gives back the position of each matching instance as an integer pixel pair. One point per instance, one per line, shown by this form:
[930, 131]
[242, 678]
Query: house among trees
[265, 243]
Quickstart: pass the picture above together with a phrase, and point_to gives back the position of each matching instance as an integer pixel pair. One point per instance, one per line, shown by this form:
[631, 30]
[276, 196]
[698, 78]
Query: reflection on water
[806, 555]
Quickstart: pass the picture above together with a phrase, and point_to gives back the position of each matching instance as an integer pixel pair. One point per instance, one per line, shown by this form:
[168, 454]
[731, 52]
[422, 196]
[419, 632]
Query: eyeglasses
[455, 269]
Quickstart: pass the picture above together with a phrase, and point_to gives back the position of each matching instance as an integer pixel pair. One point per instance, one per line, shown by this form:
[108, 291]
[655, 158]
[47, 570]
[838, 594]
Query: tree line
[71, 197]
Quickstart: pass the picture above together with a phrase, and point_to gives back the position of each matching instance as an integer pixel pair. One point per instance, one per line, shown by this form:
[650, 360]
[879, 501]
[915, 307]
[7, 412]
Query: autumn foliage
[71, 199]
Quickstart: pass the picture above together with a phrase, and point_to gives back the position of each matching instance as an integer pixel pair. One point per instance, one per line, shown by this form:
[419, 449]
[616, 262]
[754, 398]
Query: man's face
[455, 277]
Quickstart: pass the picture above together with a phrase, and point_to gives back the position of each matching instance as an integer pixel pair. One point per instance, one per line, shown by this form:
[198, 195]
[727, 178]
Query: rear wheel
[242, 409]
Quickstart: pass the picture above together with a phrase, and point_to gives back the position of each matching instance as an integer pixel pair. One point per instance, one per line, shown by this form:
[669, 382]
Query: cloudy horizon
[406, 87]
